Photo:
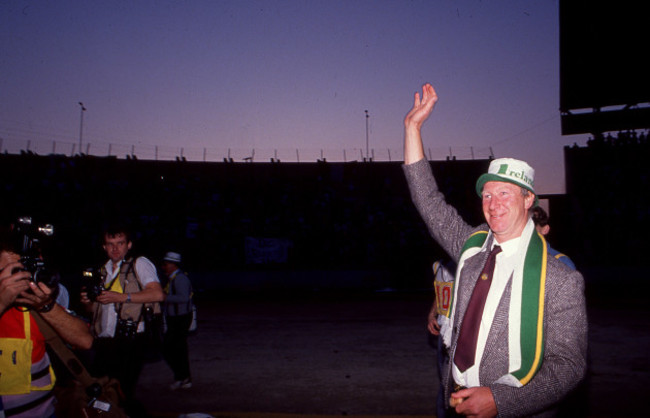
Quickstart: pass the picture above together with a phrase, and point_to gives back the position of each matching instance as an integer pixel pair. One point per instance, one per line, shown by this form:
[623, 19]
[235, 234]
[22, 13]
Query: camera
[126, 328]
[29, 240]
[93, 283]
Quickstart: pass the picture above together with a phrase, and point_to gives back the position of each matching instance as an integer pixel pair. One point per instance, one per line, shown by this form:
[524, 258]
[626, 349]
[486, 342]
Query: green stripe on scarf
[532, 309]
[477, 239]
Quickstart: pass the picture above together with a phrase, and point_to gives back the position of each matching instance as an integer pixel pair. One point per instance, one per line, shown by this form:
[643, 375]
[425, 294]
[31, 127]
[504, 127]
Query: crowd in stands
[623, 138]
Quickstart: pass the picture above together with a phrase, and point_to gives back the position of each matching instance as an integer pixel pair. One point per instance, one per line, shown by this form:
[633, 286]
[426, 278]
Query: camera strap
[67, 357]
[155, 306]
[112, 283]
[129, 269]
[100, 393]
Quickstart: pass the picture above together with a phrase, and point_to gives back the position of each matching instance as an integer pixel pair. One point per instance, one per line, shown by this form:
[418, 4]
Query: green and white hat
[509, 170]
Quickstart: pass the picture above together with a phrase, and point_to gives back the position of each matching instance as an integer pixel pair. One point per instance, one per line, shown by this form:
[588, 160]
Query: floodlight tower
[81, 125]
[367, 138]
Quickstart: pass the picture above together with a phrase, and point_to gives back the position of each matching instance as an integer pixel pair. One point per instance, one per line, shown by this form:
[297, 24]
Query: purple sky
[285, 75]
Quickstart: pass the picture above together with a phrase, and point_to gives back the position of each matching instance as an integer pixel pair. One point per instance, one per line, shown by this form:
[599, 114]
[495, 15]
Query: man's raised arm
[415, 118]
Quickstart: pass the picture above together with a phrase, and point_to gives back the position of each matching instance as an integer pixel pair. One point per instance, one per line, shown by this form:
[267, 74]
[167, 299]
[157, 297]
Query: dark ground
[368, 354]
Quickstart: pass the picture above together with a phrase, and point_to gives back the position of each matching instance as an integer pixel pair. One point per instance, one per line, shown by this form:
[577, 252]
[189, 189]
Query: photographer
[26, 376]
[178, 314]
[129, 290]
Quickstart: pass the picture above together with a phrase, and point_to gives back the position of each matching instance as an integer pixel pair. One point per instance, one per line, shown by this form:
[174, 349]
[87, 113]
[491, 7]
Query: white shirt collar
[509, 247]
[113, 268]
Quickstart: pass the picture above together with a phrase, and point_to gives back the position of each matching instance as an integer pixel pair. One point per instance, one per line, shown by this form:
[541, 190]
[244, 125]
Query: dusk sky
[208, 76]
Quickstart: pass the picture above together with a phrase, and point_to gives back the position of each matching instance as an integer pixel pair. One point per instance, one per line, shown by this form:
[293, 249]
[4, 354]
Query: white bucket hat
[509, 170]
[172, 257]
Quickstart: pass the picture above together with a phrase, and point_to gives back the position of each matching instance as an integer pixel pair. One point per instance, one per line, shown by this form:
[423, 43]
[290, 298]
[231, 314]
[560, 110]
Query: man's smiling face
[505, 209]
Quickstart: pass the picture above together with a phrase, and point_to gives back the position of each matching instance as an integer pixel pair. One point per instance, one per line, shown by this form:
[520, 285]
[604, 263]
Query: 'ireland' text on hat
[503, 169]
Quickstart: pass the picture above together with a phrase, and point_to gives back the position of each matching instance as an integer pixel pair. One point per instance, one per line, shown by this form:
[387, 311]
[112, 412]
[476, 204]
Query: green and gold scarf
[526, 313]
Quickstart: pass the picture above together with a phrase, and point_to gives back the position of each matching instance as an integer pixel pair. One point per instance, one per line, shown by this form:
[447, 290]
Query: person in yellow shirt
[26, 376]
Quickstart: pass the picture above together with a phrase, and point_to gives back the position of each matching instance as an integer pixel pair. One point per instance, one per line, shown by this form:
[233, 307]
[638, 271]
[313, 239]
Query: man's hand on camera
[84, 298]
[12, 284]
[37, 296]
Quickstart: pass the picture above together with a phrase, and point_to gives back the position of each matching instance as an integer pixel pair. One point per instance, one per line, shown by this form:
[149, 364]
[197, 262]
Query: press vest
[126, 281]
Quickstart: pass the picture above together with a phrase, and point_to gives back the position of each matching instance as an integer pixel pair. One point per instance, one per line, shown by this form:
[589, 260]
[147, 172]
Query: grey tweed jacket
[565, 318]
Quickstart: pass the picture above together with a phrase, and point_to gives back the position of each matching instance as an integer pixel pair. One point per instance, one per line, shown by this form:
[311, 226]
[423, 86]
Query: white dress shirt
[505, 265]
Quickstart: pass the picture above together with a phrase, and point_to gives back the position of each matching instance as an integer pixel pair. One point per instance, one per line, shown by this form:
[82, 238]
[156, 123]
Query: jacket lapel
[468, 279]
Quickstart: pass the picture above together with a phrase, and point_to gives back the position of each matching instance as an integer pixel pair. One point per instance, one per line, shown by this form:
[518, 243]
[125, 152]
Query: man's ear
[529, 200]
[128, 246]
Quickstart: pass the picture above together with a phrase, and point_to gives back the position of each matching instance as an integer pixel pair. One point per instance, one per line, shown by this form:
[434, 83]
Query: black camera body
[29, 238]
[40, 273]
[126, 329]
[93, 283]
